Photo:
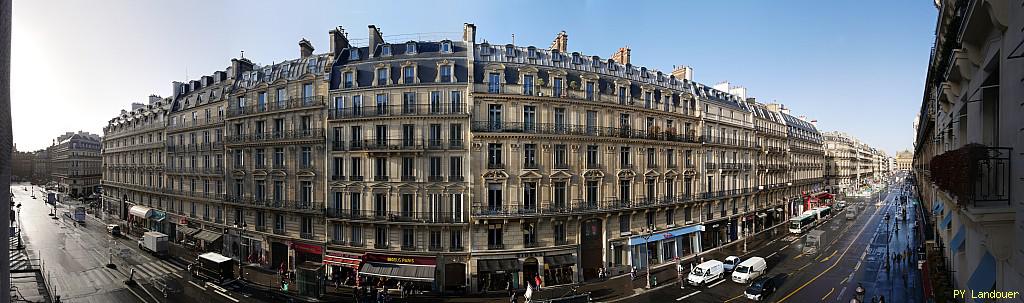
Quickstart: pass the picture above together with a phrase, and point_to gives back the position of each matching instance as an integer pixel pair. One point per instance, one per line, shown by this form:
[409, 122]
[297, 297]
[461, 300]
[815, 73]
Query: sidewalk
[620, 287]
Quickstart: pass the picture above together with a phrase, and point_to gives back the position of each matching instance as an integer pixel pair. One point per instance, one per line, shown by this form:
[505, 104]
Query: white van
[706, 272]
[749, 270]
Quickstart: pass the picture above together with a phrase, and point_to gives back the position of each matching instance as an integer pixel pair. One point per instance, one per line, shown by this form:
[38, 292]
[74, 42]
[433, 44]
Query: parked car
[763, 287]
[731, 262]
[706, 272]
[749, 269]
[114, 230]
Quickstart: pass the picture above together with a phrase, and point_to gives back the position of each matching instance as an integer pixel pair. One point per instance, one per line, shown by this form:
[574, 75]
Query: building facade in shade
[904, 160]
[41, 173]
[840, 162]
[21, 165]
[967, 153]
[276, 155]
[465, 165]
[75, 161]
[133, 158]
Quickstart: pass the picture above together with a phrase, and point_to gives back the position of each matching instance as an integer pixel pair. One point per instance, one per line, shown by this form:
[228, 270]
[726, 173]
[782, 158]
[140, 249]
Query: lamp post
[648, 233]
[241, 259]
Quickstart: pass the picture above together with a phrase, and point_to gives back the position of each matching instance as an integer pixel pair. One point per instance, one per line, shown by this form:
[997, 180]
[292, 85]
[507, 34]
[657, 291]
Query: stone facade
[75, 161]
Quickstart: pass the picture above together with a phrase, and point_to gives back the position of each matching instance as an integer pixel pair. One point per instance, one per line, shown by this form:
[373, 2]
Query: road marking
[830, 256]
[733, 298]
[177, 275]
[802, 267]
[226, 296]
[798, 256]
[833, 264]
[844, 280]
[841, 292]
[687, 296]
[773, 254]
[137, 295]
[716, 283]
[196, 285]
[828, 294]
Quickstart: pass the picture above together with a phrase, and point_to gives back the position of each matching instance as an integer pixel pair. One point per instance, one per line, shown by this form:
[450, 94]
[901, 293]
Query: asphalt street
[851, 252]
[75, 258]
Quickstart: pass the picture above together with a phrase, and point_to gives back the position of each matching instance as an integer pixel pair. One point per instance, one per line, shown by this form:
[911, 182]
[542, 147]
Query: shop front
[495, 274]
[138, 219]
[309, 268]
[416, 272]
[666, 245]
[342, 267]
[558, 269]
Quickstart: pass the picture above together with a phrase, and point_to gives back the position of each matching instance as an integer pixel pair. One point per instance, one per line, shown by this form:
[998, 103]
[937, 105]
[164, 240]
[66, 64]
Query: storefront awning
[140, 211]
[342, 259]
[506, 265]
[938, 207]
[560, 260]
[946, 222]
[984, 277]
[824, 196]
[958, 240]
[208, 236]
[661, 235]
[188, 231]
[406, 272]
[762, 215]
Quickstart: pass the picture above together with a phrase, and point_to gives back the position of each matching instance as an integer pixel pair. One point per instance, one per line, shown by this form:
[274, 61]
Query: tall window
[382, 76]
[622, 95]
[455, 167]
[494, 83]
[559, 192]
[560, 156]
[446, 73]
[307, 94]
[494, 154]
[530, 195]
[409, 75]
[528, 85]
[530, 155]
[349, 80]
[435, 102]
[592, 156]
[456, 101]
[494, 236]
[306, 196]
[624, 191]
[556, 86]
[494, 197]
[590, 90]
[307, 157]
[529, 117]
[409, 103]
[494, 116]
[624, 161]
[559, 119]
[382, 104]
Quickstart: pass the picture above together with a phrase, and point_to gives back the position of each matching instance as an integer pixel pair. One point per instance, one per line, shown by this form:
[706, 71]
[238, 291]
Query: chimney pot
[305, 48]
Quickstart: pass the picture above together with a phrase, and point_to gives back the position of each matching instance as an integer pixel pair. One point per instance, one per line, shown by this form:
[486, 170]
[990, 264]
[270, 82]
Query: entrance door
[529, 270]
[591, 246]
[455, 277]
[278, 255]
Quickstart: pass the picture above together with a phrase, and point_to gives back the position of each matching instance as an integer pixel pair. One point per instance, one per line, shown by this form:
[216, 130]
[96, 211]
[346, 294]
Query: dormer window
[446, 46]
[485, 49]
[611, 64]
[556, 56]
[382, 76]
[385, 50]
[575, 58]
[311, 65]
[349, 79]
[595, 62]
[353, 53]
[629, 69]
[410, 47]
[643, 72]
[531, 52]
[510, 50]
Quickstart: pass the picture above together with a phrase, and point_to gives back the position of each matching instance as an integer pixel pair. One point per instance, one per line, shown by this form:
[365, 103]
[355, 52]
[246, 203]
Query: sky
[854, 66]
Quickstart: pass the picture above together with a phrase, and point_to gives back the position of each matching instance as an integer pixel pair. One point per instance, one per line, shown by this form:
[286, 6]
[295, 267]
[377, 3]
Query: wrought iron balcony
[417, 109]
[578, 130]
[274, 136]
[273, 106]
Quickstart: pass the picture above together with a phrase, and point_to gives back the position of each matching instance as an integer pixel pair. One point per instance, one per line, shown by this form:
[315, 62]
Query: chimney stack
[469, 33]
[622, 56]
[137, 105]
[239, 66]
[339, 41]
[561, 42]
[305, 48]
[153, 99]
[375, 38]
[683, 72]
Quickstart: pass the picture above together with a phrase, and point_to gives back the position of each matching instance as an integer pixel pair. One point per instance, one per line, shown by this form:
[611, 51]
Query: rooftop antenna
[243, 54]
[513, 39]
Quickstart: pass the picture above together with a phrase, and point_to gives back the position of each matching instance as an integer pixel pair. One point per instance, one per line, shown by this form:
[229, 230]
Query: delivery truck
[154, 242]
[213, 267]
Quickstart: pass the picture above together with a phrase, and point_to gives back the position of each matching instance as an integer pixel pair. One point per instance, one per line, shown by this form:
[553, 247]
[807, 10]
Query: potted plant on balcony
[575, 85]
[540, 83]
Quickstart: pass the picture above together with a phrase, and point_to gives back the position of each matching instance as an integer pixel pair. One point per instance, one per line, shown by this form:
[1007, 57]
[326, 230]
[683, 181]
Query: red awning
[343, 259]
[824, 196]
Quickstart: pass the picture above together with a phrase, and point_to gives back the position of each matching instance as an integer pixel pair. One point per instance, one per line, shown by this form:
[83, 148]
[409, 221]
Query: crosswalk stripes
[100, 276]
[153, 269]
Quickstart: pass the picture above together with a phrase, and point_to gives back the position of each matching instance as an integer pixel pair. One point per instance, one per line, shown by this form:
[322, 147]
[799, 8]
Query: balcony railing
[566, 92]
[419, 109]
[976, 174]
[396, 216]
[576, 206]
[495, 165]
[292, 205]
[289, 135]
[494, 246]
[194, 123]
[456, 178]
[578, 130]
[272, 106]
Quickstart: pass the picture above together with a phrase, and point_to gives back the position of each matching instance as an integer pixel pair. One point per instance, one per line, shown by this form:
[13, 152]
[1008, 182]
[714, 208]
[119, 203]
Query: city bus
[823, 212]
[803, 222]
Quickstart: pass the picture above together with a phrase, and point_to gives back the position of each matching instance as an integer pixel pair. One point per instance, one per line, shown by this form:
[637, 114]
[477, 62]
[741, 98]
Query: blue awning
[958, 240]
[984, 276]
[661, 235]
[938, 207]
[947, 220]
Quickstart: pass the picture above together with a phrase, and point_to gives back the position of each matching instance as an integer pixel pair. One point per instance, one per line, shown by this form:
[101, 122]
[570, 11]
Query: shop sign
[530, 254]
[308, 248]
[400, 259]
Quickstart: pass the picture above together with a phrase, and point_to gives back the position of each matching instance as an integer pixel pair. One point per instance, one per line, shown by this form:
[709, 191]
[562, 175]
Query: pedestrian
[632, 273]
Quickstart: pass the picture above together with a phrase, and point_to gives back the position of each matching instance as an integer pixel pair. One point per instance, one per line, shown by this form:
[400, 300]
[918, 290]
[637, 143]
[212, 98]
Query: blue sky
[855, 66]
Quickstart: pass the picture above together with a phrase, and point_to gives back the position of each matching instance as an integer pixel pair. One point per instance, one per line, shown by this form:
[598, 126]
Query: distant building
[41, 167]
[76, 163]
[904, 160]
[21, 165]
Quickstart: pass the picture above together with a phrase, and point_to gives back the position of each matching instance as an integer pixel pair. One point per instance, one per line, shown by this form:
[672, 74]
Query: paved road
[76, 258]
[830, 274]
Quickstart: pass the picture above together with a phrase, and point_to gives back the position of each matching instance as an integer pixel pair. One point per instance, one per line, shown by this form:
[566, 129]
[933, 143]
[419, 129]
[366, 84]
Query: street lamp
[241, 259]
[647, 234]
